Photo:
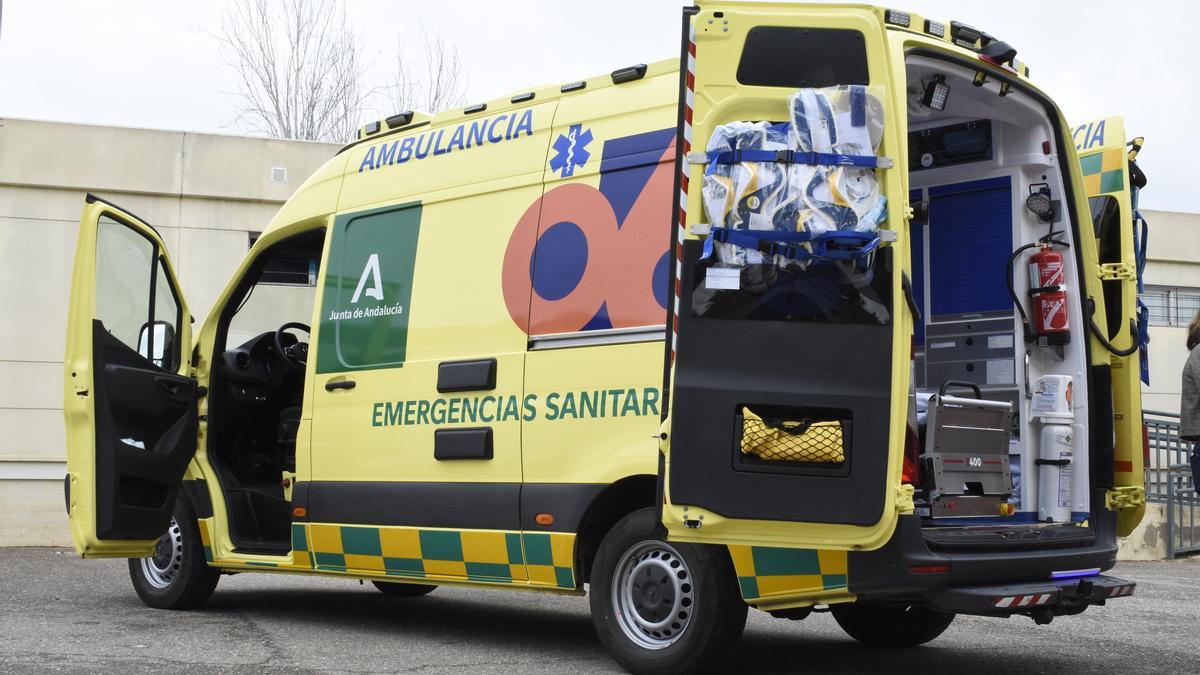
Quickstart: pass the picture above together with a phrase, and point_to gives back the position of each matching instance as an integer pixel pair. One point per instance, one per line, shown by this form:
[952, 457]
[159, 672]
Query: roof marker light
[573, 86]
[935, 28]
[521, 98]
[964, 35]
[623, 75]
[400, 119]
[898, 18]
[471, 109]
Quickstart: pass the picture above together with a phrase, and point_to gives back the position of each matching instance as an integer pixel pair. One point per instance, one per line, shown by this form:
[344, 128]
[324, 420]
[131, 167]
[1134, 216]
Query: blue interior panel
[970, 240]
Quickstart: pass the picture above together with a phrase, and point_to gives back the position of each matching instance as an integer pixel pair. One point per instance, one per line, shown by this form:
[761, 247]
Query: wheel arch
[609, 506]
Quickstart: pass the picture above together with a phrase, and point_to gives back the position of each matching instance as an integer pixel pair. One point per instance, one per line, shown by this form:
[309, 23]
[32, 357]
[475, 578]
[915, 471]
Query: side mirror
[164, 342]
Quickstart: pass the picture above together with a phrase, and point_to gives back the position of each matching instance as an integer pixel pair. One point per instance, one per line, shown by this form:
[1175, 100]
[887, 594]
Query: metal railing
[1169, 481]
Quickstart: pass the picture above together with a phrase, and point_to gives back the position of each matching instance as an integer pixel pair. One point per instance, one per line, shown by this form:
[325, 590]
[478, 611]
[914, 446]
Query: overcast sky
[149, 63]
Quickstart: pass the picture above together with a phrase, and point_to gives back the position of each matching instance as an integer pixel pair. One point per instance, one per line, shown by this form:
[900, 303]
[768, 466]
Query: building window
[285, 269]
[1171, 306]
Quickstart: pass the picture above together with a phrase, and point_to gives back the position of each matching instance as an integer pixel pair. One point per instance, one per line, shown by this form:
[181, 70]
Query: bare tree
[432, 82]
[299, 67]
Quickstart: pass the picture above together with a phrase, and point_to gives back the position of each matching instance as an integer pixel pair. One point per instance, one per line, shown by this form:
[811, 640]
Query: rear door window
[783, 56]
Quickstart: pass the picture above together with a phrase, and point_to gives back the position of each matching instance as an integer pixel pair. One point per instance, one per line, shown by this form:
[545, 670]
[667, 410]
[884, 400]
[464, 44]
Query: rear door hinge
[1117, 271]
[1125, 497]
[904, 499]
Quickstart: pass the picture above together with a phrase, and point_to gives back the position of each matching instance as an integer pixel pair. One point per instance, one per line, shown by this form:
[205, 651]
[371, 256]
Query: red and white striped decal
[1014, 601]
[689, 102]
[1120, 591]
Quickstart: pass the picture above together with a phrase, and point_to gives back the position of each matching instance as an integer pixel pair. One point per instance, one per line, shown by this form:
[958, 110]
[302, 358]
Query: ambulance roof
[954, 34]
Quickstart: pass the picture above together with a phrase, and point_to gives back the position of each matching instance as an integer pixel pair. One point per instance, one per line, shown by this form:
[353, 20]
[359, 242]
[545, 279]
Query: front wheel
[177, 576]
[891, 626]
[660, 607]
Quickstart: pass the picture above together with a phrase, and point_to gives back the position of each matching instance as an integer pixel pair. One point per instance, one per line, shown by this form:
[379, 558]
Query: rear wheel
[400, 590]
[891, 626]
[177, 576]
[660, 607]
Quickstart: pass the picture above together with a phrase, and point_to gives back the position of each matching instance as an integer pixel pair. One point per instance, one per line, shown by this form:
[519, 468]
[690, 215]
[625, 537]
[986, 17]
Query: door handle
[174, 389]
[339, 384]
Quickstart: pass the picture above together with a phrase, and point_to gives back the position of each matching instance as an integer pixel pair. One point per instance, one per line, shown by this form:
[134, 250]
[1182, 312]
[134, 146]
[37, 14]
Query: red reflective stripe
[1123, 466]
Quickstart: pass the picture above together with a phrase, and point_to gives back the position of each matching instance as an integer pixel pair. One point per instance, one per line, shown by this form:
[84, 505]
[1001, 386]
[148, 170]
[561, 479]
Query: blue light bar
[1075, 574]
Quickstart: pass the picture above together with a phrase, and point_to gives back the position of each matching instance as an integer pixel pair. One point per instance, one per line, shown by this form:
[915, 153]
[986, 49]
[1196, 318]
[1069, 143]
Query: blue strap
[858, 105]
[792, 157]
[1141, 238]
[836, 245]
[1143, 338]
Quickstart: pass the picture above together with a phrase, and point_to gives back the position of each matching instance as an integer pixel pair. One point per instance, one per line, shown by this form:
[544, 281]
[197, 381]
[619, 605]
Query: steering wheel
[295, 356]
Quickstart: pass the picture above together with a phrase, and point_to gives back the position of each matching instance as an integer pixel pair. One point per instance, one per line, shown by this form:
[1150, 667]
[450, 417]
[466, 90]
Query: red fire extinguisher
[1046, 283]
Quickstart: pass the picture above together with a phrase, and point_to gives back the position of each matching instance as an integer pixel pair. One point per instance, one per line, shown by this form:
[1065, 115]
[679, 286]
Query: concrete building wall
[1172, 277]
[204, 193]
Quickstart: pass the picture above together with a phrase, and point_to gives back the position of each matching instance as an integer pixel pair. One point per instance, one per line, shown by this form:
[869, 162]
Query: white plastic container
[1053, 413]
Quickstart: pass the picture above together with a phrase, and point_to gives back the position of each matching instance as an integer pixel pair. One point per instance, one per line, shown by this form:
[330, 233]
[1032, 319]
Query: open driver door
[129, 402]
[788, 383]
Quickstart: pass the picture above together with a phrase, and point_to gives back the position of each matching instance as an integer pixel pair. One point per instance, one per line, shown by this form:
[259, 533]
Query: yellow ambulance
[816, 317]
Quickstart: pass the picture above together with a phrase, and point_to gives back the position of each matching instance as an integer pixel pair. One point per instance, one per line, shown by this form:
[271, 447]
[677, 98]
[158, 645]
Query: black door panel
[782, 369]
[145, 436]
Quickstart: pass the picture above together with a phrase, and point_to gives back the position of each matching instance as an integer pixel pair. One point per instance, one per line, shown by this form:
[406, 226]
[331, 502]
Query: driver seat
[289, 423]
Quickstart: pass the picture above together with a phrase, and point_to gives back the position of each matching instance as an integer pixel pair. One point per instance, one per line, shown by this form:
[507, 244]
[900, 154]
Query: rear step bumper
[1043, 600]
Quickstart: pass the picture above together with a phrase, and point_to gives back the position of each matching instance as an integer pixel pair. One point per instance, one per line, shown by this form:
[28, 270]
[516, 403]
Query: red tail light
[911, 473]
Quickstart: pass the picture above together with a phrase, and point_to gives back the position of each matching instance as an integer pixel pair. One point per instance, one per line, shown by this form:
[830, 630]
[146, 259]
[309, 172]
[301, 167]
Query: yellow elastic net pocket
[792, 441]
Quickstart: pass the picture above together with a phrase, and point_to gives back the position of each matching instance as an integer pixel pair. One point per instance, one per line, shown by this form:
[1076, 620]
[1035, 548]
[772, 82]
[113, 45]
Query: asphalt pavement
[60, 613]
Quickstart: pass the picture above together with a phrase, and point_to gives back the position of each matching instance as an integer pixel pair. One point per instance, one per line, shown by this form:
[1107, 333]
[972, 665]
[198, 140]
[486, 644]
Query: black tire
[714, 609]
[178, 576]
[891, 626]
[400, 590]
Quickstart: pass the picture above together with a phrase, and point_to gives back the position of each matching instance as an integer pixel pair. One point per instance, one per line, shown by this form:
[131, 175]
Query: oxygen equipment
[1053, 412]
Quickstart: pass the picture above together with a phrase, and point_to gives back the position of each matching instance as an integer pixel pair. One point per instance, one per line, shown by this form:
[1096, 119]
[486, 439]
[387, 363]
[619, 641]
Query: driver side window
[134, 299]
[284, 291]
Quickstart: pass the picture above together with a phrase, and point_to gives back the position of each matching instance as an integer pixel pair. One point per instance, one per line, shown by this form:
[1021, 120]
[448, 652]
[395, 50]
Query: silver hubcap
[163, 567]
[652, 594]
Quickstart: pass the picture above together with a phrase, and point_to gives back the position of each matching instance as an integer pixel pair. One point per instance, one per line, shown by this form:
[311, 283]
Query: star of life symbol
[570, 150]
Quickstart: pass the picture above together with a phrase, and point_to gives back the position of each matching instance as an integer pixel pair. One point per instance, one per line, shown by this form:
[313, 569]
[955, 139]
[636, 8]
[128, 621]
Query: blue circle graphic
[659, 280]
[558, 261]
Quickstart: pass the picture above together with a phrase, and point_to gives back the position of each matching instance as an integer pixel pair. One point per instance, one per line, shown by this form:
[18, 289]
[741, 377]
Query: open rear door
[130, 406]
[1104, 163]
[789, 384]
